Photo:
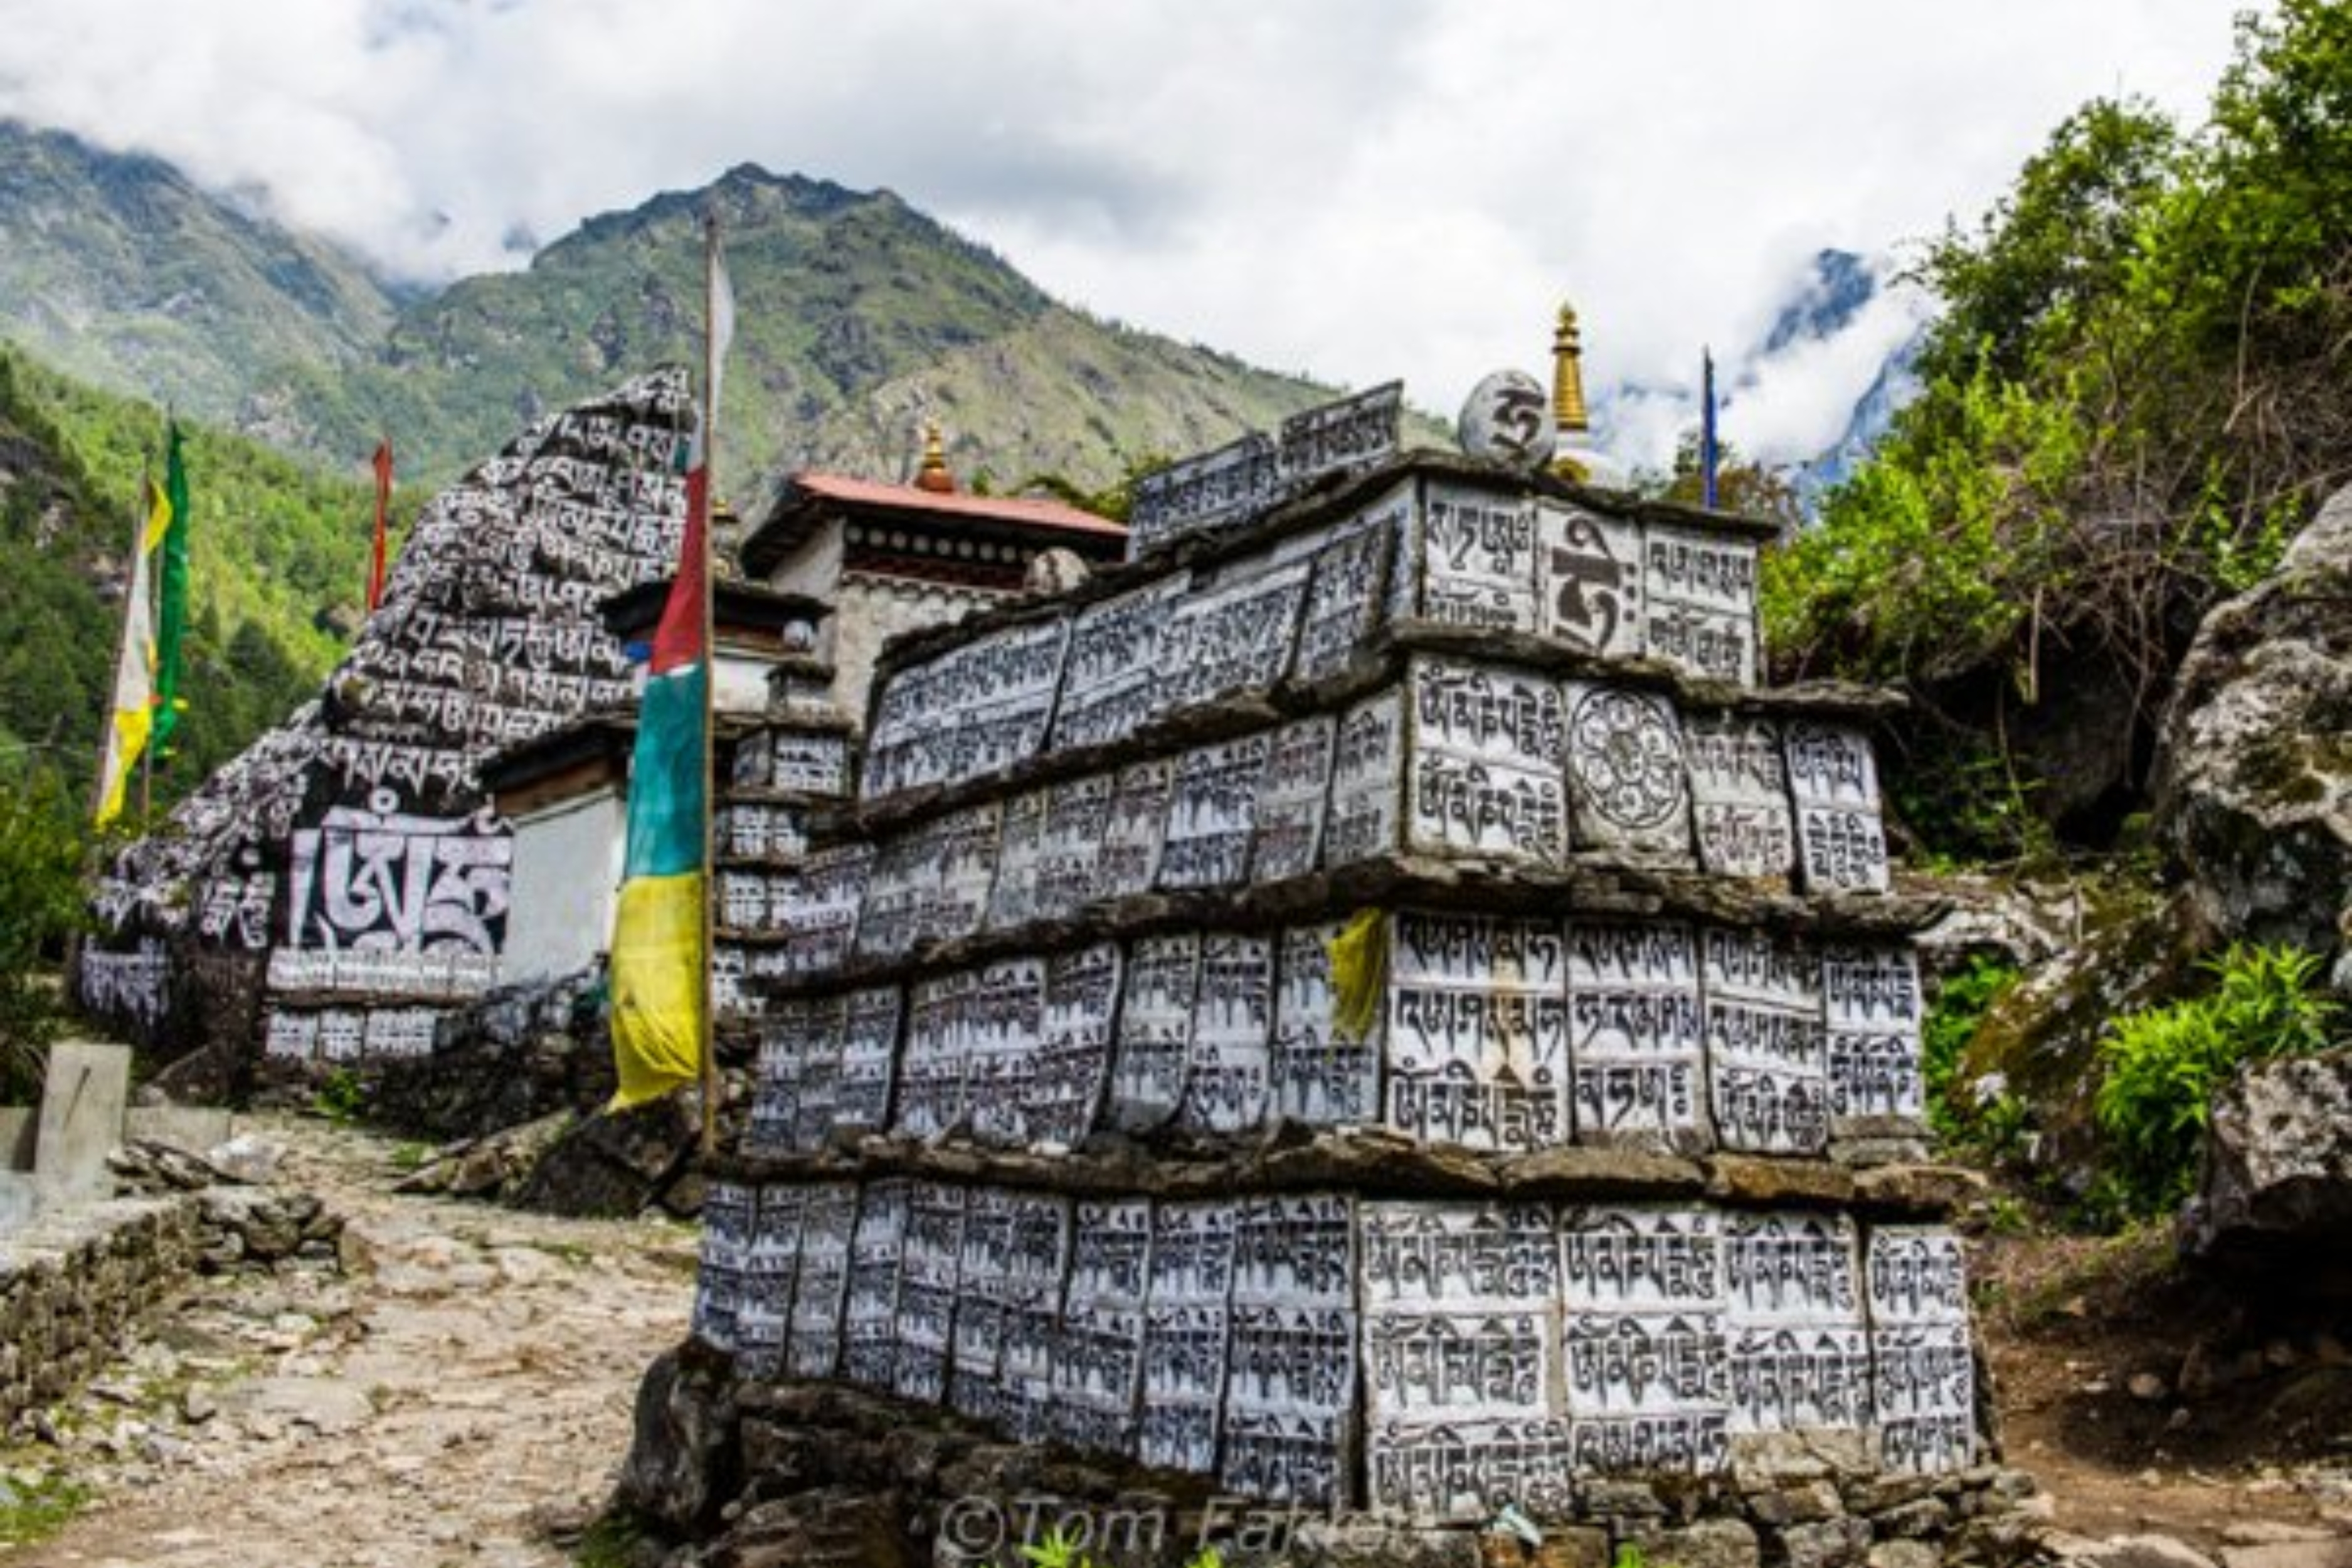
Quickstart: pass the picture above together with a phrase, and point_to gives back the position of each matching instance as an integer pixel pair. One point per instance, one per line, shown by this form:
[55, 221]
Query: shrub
[1951, 1024]
[2164, 1063]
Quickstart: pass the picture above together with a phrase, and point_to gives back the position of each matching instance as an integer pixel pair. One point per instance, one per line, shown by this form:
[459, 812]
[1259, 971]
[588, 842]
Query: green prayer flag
[172, 620]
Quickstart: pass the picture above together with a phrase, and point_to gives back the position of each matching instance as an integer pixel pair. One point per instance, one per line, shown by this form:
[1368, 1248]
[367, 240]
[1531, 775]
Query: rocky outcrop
[2254, 771]
[2277, 1182]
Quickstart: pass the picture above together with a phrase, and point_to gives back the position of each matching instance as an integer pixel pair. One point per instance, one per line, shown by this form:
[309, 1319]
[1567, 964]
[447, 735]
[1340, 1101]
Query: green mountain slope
[121, 271]
[278, 557]
[858, 316]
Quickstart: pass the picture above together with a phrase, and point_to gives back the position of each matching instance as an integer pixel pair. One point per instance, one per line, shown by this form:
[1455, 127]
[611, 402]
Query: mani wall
[343, 883]
[1369, 1002]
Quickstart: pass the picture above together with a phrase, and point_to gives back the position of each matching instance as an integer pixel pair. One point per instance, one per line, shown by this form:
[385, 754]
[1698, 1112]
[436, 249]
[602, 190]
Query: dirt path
[460, 1395]
[2092, 1342]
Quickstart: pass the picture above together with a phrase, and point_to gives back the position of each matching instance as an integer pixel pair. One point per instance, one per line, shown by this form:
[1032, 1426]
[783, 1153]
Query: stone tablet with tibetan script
[1226, 1078]
[1699, 592]
[796, 1034]
[1767, 1067]
[1231, 633]
[1366, 816]
[1097, 1374]
[1477, 1031]
[1473, 559]
[1074, 1066]
[1588, 576]
[1290, 1379]
[1005, 1023]
[1077, 816]
[929, 1275]
[828, 1226]
[822, 920]
[1203, 494]
[1036, 1260]
[1019, 852]
[1484, 774]
[869, 1054]
[1871, 1003]
[1321, 1077]
[869, 1331]
[1287, 839]
[728, 1212]
[983, 1288]
[1461, 1327]
[1348, 588]
[1923, 1368]
[1638, 1035]
[1133, 836]
[1213, 813]
[1834, 780]
[1798, 1341]
[1185, 1332]
[1153, 1056]
[937, 1057]
[770, 1266]
[1646, 1364]
[1110, 685]
[1739, 795]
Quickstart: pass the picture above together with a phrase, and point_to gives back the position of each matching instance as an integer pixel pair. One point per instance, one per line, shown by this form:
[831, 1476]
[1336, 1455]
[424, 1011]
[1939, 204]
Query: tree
[42, 851]
[1749, 488]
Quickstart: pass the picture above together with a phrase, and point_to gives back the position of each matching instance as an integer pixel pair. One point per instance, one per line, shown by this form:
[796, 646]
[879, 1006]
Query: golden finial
[933, 475]
[1567, 374]
[1568, 412]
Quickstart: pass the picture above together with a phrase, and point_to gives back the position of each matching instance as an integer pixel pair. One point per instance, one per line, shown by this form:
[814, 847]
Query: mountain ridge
[842, 295]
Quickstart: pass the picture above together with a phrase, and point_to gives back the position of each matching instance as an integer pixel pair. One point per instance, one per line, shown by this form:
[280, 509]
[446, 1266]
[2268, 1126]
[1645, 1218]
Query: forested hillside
[278, 574]
[2140, 389]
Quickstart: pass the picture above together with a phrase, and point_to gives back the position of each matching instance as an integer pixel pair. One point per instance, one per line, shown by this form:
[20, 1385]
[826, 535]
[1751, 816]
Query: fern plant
[2164, 1063]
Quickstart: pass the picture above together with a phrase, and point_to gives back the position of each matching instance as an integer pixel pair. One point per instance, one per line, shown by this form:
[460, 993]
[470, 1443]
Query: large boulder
[2276, 1192]
[2253, 780]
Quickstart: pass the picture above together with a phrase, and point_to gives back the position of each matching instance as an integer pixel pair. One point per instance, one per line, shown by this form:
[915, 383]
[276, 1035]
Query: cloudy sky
[1357, 189]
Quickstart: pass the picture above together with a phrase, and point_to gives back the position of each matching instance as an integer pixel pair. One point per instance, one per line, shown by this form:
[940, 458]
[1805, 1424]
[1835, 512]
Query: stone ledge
[1378, 664]
[1599, 889]
[1373, 1164]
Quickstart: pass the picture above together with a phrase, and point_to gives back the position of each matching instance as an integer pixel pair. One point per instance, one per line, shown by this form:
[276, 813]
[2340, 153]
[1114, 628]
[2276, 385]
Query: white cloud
[1357, 190]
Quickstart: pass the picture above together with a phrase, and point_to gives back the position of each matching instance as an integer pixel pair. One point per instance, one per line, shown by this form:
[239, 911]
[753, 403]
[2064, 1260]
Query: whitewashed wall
[567, 875]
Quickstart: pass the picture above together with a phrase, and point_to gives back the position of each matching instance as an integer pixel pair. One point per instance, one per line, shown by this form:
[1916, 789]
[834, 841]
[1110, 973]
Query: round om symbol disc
[1625, 760]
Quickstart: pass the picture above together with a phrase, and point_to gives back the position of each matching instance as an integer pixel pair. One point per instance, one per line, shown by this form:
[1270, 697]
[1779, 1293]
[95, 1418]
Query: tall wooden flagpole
[710, 350]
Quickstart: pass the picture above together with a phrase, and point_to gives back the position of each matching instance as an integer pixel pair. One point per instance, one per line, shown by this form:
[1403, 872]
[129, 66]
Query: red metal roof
[1020, 511]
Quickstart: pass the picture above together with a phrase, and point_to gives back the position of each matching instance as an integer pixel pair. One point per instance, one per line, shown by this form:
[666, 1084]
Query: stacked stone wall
[75, 1284]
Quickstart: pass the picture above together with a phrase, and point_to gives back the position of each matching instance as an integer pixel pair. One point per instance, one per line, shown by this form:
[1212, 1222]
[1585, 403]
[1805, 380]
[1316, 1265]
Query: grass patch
[614, 1541]
[33, 1510]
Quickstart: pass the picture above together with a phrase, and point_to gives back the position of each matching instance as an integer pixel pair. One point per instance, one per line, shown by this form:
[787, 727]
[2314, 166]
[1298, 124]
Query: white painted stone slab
[1628, 784]
[1739, 796]
[1638, 1028]
[1477, 1031]
[1589, 572]
[1484, 774]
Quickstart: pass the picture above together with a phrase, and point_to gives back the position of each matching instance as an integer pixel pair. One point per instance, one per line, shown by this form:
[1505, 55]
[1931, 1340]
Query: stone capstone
[2253, 780]
[2277, 1180]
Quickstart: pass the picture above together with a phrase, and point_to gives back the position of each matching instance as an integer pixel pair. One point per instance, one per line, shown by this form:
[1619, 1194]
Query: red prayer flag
[382, 505]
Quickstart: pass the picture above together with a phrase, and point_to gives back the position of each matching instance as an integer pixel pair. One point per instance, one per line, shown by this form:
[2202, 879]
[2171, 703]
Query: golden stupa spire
[1567, 374]
[1568, 418]
[933, 474]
